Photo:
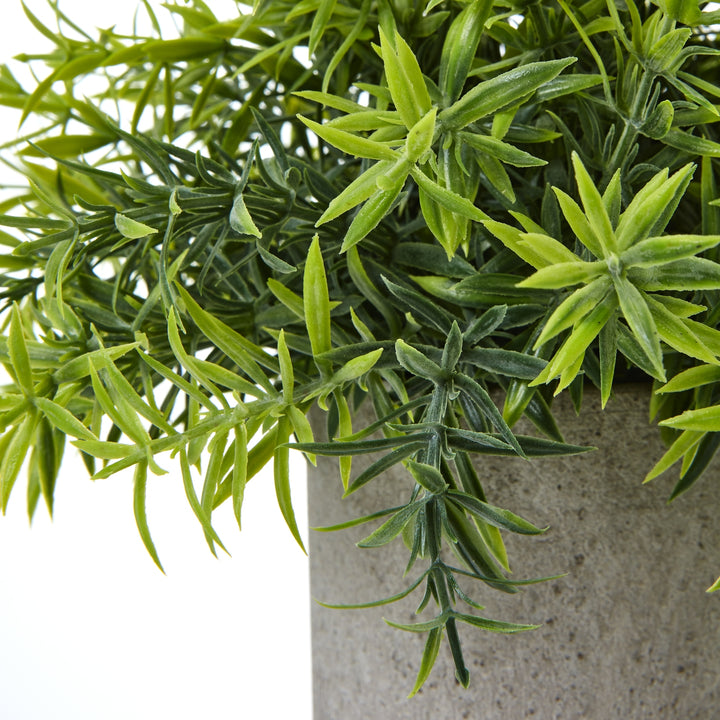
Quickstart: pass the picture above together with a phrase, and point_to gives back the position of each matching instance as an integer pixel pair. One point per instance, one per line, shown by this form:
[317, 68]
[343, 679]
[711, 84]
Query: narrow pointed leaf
[140, 510]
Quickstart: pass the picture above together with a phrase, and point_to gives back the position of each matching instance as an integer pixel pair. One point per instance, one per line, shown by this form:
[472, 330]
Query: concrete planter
[630, 632]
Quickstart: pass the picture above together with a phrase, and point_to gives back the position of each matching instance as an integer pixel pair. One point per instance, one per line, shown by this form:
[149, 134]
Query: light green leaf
[281, 472]
[63, 419]
[18, 352]
[132, 229]
[240, 470]
[316, 301]
[240, 220]
[16, 443]
[704, 420]
[356, 367]
[652, 205]
[578, 304]
[502, 91]
[691, 378]
[191, 495]
[638, 316]
[493, 625]
[354, 145]
[667, 248]
[370, 215]
[447, 198]
[579, 223]
[458, 51]
[683, 444]
[357, 191]
[594, 207]
[245, 354]
[501, 150]
[287, 373]
[139, 507]
[404, 79]
[564, 274]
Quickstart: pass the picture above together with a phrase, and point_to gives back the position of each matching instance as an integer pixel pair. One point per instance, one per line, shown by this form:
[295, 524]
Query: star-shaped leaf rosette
[442, 139]
[618, 299]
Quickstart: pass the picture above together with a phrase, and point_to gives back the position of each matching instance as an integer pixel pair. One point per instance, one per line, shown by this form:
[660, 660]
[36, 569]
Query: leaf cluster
[437, 209]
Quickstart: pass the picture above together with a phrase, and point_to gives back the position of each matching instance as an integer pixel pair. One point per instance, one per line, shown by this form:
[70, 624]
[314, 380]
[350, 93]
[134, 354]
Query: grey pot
[629, 633]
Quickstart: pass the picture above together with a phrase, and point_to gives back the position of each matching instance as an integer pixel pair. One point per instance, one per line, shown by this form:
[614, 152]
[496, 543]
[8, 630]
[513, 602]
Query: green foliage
[442, 212]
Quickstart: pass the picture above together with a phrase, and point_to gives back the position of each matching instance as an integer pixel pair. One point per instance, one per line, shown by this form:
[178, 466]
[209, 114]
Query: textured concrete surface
[630, 632]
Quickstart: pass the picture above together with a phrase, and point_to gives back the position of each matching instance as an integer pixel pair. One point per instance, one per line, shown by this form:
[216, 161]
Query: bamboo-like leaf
[584, 332]
[195, 505]
[705, 419]
[246, 355]
[502, 91]
[578, 304]
[16, 443]
[560, 275]
[438, 622]
[650, 204]
[447, 198]
[638, 316]
[316, 300]
[607, 355]
[458, 51]
[18, 352]
[357, 191]
[677, 334]
[579, 223]
[683, 444]
[281, 472]
[384, 463]
[287, 373]
[118, 410]
[692, 378]
[370, 215]
[213, 476]
[404, 79]
[239, 470]
[453, 348]
[139, 507]
[667, 248]
[552, 251]
[594, 207]
[430, 653]
[320, 21]
[356, 367]
[501, 150]
[344, 428]
[63, 419]
[354, 145]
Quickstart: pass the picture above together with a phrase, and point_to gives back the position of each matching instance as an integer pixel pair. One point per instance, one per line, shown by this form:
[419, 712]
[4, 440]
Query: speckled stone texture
[629, 633]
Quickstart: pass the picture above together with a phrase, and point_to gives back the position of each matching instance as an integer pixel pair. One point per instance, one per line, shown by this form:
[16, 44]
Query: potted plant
[416, 223]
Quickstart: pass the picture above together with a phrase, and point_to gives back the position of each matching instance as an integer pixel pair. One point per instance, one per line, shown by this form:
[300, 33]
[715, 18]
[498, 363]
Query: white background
[89, 628]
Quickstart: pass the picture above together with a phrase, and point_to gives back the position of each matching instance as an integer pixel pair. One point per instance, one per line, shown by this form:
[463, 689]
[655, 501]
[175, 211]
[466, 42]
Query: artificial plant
[326, 203]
